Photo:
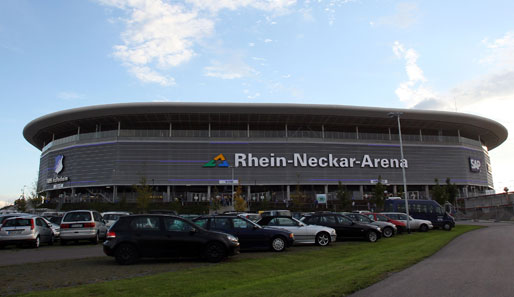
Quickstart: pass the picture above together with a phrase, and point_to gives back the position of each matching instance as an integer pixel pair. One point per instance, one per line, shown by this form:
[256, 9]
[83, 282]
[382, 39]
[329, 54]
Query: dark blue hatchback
[251, 236]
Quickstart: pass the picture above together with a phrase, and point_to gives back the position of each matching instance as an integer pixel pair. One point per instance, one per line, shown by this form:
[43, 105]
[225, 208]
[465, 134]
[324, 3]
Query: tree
[239, 202]
[143, 194]
[299, 198]
[451, 191]
[34, 198]
[21, 204]
[343, 195]
[439, 193]
[379, 194]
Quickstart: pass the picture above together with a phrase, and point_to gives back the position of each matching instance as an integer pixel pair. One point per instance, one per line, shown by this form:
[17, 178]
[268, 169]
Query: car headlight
[232, 238]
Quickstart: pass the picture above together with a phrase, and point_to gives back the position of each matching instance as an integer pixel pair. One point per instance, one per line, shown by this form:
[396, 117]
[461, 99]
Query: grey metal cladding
[180, 163]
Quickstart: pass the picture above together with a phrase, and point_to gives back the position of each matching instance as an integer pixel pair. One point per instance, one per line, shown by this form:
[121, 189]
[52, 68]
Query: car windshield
[77, 216]
[17, 223]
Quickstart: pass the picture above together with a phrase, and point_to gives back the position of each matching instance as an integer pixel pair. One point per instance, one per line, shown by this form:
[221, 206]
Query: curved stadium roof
[66, 122]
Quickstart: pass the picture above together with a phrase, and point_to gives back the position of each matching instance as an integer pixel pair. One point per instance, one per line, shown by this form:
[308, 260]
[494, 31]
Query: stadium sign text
[304, 160]
[57, 179]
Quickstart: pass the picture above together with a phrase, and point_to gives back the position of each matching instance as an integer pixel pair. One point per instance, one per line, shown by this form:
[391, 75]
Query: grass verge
[333, 271]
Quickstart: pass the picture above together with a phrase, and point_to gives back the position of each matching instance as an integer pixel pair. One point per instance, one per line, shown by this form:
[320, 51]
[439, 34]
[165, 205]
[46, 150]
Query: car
[415, 224]
[428, 210]
[12, 215]
[388, 229]
[31, 230]
[344, 226]
[303, 233]
[189, 216]
[158, 235]
[254, 217]
[54, 219]
[383, 218]
[251, 236]
[82, 225]
[275, 212]
[112, 216]
[56, 229]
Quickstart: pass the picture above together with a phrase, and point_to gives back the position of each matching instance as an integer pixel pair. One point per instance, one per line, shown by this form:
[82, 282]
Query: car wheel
[96, 239]
[322, 239]
[214, 252]
[52, 240]
[423, 228]
[388, 232]
[372, 236]
[126, 254]
[36, 242]
[278, 244]
[447, 226]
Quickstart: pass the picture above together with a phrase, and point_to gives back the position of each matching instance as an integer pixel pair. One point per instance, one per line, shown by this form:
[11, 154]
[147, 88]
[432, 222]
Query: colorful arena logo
[219, 161]
[58, 165]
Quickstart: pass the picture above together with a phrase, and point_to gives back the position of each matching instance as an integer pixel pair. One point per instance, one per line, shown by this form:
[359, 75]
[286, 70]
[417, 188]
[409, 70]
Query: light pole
[232, 182]
[406, 196]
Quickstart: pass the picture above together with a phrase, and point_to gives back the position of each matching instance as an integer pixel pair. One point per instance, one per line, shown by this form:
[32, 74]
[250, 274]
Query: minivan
[428, 210]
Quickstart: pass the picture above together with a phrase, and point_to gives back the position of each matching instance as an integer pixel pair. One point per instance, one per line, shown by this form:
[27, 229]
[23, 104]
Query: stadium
[196, 151]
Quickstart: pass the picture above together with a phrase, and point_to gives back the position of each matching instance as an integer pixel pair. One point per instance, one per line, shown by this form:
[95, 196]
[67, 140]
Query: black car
[344, 226]
[153, 235]
[250, 235]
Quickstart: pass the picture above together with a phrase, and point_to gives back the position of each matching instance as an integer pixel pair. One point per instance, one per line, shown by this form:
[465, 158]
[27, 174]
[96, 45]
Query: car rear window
[112, 217]
[77, 216]
[17, 223]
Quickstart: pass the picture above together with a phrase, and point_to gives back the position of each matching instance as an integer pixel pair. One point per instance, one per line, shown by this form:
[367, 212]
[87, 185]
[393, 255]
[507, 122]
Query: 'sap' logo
[58, 165]
[474, 165]
[219, 161]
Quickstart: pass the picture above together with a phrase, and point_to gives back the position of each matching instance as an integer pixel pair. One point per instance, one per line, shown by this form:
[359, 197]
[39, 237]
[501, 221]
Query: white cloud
[251, 44]
[267, 40]
[406, 14]
[4, 203]
[490, 95]
[254, 96]
[69, 95]
[147, 75]
[232, 69]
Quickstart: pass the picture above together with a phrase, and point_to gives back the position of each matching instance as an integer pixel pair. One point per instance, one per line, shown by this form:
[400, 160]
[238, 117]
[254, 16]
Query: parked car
[54, 219]
[82, 225]
[428, 210]
[112, 216]
[344, 226]
[156, 235]
[12, 215]
[31, 230]
[415, 224]
[275, 212]
[383, 218]
[303, 233]
[56, 229]
[251, 236]
[388, 229]
[254, 217]
[189, 216]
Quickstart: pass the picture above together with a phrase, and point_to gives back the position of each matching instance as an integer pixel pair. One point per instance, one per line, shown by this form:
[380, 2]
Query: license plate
[76, 225]
[13, 232]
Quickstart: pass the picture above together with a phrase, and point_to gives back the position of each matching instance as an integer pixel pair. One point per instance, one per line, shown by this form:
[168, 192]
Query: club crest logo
[59, 165]
[218, 161]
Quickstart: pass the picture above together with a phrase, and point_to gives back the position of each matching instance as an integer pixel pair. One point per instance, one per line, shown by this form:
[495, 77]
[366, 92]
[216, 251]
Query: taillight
[32, 224]
[89, 225]
[65, 226]
[111, 235]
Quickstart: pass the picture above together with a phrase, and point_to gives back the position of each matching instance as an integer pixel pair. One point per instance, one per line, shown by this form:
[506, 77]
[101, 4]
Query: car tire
[37, 242]
[423, 228]
[447, 227]
[214, 252]
[278, 244]
[322, 239]
[126, 254]
[96, 239]
[388, 232]
[372, 236]
[52, 240]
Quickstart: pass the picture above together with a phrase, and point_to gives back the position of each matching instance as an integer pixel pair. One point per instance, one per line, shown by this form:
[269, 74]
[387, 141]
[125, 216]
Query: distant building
[195, 151]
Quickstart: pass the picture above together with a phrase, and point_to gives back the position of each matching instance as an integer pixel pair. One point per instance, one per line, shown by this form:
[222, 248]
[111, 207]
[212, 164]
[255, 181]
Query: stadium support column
[361, 189]
[208, 192]
[169, 193]
[248, 193]
[114, 193]
[427, 192]
[288, 197]
[73, 194]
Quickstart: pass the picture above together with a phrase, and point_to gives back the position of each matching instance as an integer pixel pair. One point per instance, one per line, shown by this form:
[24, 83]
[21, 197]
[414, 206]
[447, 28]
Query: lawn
[333, 271]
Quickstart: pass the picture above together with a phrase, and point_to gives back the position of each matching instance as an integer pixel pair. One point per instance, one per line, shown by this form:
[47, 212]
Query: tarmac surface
[478, 263]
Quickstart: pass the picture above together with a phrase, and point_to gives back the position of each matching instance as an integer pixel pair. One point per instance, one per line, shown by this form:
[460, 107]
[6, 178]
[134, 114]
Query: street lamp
[232, 182]
[397, 115]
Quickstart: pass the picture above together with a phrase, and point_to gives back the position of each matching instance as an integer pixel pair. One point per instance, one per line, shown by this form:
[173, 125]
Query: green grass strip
[332, 271]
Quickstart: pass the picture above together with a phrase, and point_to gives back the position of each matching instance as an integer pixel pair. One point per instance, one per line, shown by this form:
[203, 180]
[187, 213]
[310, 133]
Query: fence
[498, 207]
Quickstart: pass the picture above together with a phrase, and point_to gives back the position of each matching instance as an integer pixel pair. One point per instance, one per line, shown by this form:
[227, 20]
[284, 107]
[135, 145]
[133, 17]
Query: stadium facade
[195, 151]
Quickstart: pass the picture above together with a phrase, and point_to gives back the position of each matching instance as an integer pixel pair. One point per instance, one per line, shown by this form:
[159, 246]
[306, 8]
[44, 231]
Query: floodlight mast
[406, 196]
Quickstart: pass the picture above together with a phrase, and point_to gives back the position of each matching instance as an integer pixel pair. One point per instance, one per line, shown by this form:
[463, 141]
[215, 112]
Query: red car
[382, 218]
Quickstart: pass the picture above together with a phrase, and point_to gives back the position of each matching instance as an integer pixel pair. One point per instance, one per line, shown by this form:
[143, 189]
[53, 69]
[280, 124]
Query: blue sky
[443, 55]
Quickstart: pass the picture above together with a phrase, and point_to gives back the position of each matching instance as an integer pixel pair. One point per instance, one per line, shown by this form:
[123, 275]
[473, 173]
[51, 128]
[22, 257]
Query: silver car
[415, 224]
[303, 233]
[112, 216]
[388, 229]
[82, 225]
[32, 230]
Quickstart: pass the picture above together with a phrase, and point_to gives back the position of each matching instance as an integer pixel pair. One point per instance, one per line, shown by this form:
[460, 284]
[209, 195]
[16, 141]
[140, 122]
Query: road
[13, 256]
[478, 263]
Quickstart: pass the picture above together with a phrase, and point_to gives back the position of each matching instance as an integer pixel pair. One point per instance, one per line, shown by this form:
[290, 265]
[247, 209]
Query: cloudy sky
[443, 55]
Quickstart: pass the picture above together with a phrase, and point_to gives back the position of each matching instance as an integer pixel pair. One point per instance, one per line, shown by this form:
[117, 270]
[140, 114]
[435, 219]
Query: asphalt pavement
[478, 263]
[16, 256]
